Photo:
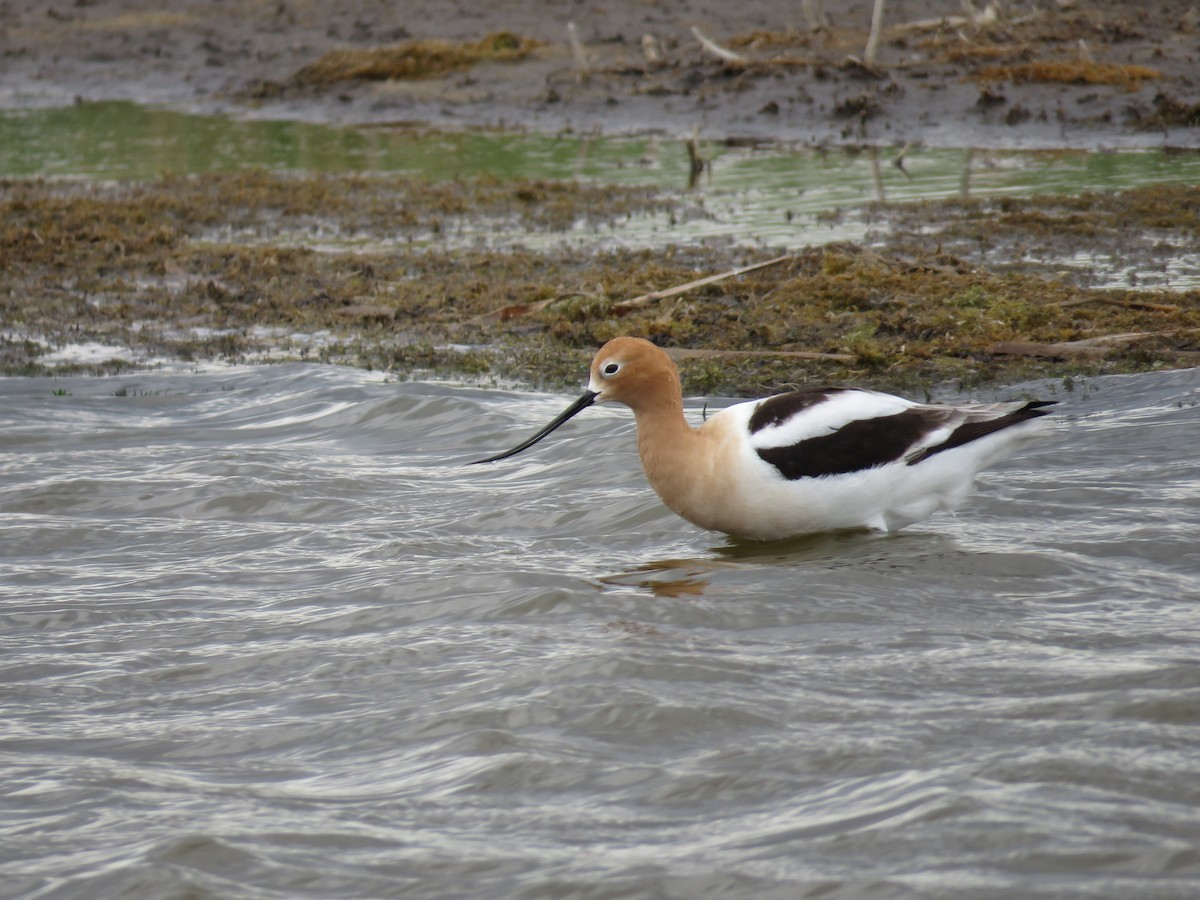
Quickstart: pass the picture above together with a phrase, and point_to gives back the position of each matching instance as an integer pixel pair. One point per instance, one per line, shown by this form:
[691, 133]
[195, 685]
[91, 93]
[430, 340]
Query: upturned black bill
[588, 398]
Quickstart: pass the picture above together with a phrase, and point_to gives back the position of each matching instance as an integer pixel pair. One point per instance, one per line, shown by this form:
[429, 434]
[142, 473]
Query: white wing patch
[826, 417]
[938, 435]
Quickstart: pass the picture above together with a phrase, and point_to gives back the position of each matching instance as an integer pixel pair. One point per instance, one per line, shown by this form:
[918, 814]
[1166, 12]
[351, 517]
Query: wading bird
[802, 462]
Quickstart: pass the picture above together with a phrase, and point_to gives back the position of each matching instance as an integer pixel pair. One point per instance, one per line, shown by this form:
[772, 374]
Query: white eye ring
[608, 370]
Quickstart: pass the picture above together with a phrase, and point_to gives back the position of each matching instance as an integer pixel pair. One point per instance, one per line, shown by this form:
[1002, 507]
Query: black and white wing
[810, 434]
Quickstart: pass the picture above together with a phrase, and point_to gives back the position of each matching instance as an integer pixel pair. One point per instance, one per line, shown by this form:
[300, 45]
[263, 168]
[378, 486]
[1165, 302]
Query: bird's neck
[661, 425]
[671, 453]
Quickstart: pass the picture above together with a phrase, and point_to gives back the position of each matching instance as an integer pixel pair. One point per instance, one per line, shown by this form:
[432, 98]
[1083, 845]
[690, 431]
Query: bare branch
[655, 296]
[582, 60]
[715, 48]
[876, 30]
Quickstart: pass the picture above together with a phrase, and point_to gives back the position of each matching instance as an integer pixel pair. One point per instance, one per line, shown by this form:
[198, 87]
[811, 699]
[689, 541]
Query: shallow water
[262, 636]
[777, 195]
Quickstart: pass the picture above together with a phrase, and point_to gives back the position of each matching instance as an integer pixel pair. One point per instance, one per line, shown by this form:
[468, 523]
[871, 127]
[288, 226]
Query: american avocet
[802, 462]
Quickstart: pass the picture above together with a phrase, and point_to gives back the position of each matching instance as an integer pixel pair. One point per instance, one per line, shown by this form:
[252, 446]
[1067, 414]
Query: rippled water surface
[263, 636]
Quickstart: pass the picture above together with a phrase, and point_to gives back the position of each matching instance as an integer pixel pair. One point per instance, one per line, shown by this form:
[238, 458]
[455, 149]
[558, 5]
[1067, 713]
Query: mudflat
[1101, 73]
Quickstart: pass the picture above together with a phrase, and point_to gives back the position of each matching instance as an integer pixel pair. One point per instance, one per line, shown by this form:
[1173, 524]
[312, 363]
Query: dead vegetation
[1079, 71]
[425, 58]
[137, 265]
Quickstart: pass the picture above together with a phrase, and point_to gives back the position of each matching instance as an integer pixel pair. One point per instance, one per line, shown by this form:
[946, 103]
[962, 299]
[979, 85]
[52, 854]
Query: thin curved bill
[586, 400]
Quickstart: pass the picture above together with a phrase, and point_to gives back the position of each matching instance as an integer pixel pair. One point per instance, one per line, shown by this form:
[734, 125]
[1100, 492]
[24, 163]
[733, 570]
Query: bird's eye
[610, 369]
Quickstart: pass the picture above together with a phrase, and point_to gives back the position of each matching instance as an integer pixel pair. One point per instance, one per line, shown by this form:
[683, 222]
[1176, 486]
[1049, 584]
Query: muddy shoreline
[130, 265]
[1097, 74]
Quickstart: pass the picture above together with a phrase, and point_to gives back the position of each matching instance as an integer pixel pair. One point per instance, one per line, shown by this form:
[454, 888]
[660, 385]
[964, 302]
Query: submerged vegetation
[209, 267]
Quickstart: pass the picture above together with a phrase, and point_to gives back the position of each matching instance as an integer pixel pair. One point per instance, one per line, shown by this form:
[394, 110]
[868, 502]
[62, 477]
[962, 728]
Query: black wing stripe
[778, 409]
[973, 431]
[856, 446]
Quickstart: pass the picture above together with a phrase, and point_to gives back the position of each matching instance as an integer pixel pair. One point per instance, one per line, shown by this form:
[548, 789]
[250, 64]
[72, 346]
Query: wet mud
[1103, 73]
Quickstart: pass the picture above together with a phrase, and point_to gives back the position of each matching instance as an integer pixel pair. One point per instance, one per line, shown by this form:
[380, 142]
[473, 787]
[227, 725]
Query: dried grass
[1069, 72]
[414, 59]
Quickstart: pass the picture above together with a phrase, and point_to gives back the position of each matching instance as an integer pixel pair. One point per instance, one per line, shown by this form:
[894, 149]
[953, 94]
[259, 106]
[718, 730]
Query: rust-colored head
[626, 370]
[635, 372]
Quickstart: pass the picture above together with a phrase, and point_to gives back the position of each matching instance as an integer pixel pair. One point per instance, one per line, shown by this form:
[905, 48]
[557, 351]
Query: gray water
[261, 635]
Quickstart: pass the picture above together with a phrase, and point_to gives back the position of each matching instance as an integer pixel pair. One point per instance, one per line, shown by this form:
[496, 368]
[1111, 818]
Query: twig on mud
[1127, 304]
[581, 55]
[877, 176]
[989, 16]
[678, 353]
[975, 18]
[654, 296]
[853, 64]
[516, 310]
[715, 48]
[1105, 345]
[697, 162]
[898, 162]
[513, 310]
[814, 15]
[650, 50]
[873, 37]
